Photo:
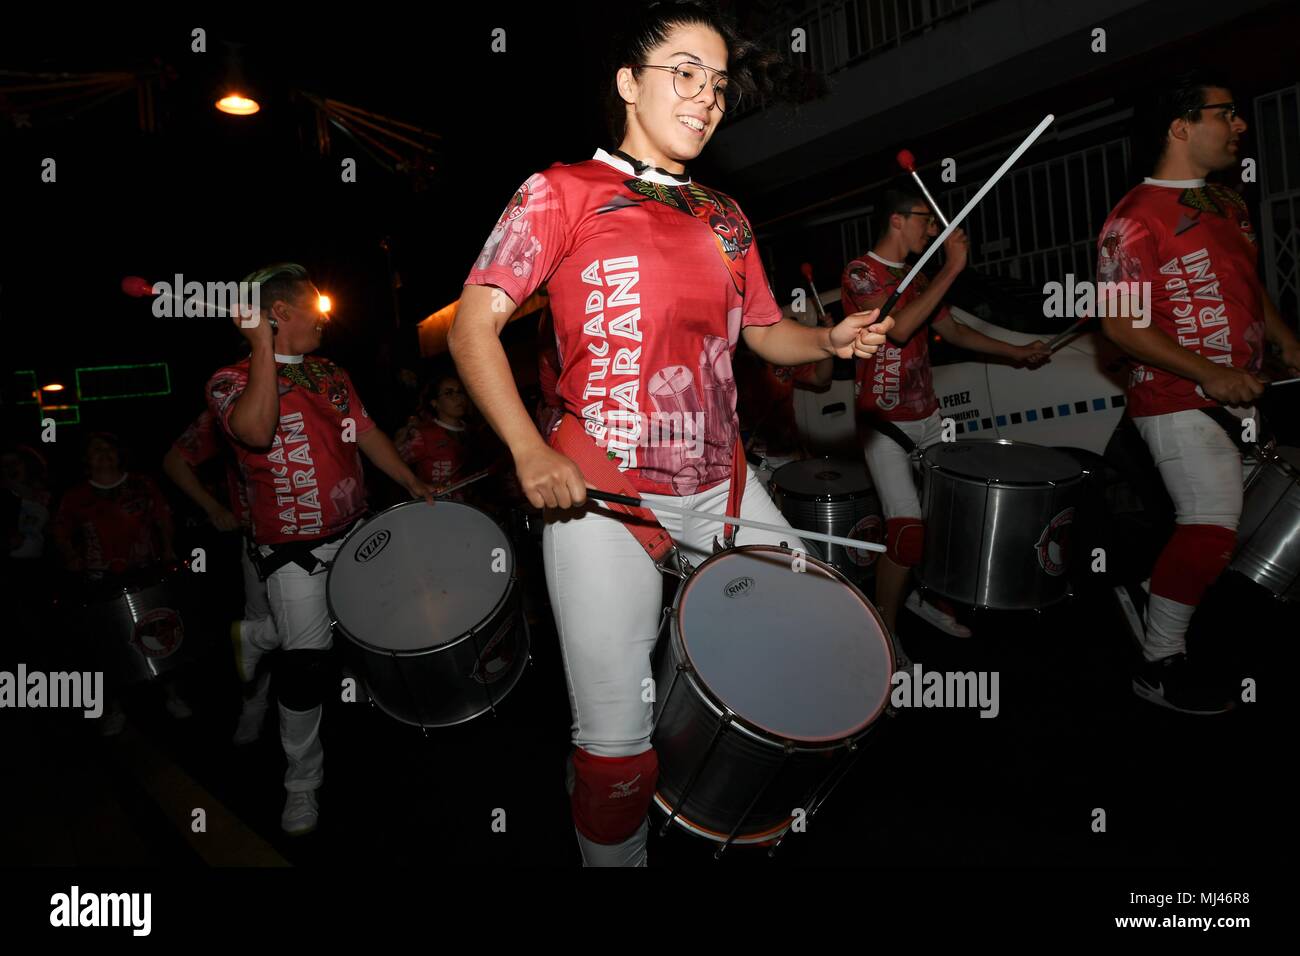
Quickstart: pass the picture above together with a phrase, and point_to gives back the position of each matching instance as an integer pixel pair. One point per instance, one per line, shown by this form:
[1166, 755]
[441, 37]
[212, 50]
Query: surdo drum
[427, 599]
[1268, 549]
[766, 679]
[139, 628]
[998, 517]
[834, 497]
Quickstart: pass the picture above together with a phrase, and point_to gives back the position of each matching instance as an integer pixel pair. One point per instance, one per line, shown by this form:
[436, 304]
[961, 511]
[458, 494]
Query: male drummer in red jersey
[297, 424]
[1200, 348]
[896, 401]
[653, 279]
[202, 441]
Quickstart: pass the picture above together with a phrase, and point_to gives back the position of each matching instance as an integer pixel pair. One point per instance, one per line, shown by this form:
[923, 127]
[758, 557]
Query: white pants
[260, 627]
[891, 466]
[1202, 469]
[607, 596]
[302, 622]
[1204, 473]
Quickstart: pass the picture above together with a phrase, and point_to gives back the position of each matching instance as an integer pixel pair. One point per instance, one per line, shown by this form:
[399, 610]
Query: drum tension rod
[788, 748]
[680, 805]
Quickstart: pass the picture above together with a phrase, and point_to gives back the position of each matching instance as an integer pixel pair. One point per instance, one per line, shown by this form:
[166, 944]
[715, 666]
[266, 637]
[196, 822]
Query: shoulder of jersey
[1230, 197]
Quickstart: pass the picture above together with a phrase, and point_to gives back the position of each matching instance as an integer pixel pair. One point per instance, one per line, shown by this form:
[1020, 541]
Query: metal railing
[841, 33]
[1277, 133]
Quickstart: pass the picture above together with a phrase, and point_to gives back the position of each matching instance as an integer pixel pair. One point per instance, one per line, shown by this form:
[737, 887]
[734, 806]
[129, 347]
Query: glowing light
[324, 304]
[52, 387]
[237, 105]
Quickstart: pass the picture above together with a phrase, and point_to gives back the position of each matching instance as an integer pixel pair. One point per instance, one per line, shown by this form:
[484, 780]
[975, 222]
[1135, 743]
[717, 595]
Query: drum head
[416, 577]
[799, 655]
[1007, 462]
[825, 478]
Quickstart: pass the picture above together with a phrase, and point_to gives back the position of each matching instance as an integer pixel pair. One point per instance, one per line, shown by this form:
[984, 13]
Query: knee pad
[611, 795]
[905, 540]
[1194, 557]
[303, 678]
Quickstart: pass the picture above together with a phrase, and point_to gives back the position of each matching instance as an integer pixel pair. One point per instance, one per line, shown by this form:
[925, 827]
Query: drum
[138, 629]
[834, 497]
[427, 601]
[998, 517]
[1268, 548]
[765, 683]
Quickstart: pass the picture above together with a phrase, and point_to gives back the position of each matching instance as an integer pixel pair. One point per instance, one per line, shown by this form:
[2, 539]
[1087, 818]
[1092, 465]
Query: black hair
[748, 64]
[442, 371]
[1179, 97]
[280, 282]
[898, 195]
[109, 438]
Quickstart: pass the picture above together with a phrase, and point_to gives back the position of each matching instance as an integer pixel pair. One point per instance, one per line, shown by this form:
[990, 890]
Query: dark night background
[213, 196]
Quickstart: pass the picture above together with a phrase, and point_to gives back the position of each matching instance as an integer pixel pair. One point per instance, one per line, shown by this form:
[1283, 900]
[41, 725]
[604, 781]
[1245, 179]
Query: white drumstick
[742, 522]
[957, 219]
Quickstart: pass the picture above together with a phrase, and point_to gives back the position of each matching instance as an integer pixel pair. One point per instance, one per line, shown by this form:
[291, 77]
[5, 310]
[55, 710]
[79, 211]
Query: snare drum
[833, 497]
[138, 630]
[765, 683]
[426, 597]
[1268, 550]
[998, 517]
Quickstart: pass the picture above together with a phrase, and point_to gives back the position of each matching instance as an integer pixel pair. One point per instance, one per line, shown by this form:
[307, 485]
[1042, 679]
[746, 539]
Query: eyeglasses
[930, 218]
[689, 80]
[1231, 107]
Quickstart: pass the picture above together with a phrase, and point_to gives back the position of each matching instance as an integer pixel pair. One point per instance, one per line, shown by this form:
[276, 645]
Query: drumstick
[957, 220]
[1285, 381]
[460, 484]
[908, 162]
[1051, 346]
[743, 522]
[806, 269]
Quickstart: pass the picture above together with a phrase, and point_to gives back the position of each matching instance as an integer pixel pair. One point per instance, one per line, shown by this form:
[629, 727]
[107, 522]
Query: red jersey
[895, 383]
[549, 409]
[767, 400]
[651, 278]
[435, 452]
[114, 529]
[309, 484]
[202, 441]
[1194, 243]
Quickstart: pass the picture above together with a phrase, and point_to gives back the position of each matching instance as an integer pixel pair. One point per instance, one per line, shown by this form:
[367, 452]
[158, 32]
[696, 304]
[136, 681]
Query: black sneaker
[1168, 682]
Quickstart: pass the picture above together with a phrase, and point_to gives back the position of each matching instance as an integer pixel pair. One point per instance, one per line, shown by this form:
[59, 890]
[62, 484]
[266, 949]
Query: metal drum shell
[688, 715]
[443, 683]
[1268, 550]
[985, 538]
[117, 626]
[836, 513]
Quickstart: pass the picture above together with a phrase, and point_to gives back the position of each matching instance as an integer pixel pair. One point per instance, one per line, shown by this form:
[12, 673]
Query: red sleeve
[199, 443]
[857, 286]
[223, 389]
[410, 444]
[356, 407]
[527, 243]
[760, 306]
[161, 509]
[1126, 251]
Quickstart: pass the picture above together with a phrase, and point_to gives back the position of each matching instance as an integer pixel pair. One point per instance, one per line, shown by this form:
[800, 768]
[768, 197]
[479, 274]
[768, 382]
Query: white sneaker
[247, 654]
[935, 616]
[300, 813]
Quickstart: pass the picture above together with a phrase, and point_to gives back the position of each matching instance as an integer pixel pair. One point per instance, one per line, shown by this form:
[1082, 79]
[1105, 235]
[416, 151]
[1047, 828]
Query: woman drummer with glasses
[653, 279]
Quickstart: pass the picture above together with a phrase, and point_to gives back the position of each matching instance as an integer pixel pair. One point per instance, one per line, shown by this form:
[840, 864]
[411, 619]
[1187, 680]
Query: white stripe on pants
[606, 594]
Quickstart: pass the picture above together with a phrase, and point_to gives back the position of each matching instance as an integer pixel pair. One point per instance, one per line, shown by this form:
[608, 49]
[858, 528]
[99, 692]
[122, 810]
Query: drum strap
[890, 430]
[570, 439]
[1231, 424]
[292, 552]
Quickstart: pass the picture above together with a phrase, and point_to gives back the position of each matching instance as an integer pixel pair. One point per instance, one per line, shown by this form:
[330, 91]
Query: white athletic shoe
[300, 813]
[935, 616]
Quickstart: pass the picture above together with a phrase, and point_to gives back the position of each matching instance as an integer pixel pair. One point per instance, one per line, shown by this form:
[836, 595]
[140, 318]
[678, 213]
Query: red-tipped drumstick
[908, 162]
[807, 271]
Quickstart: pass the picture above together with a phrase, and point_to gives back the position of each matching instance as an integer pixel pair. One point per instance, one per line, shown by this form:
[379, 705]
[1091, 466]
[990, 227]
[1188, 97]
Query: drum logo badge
[1053, 545]
[869, 528]
[494, 663]
[737, 587]
[158, 633]
[373, 545]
